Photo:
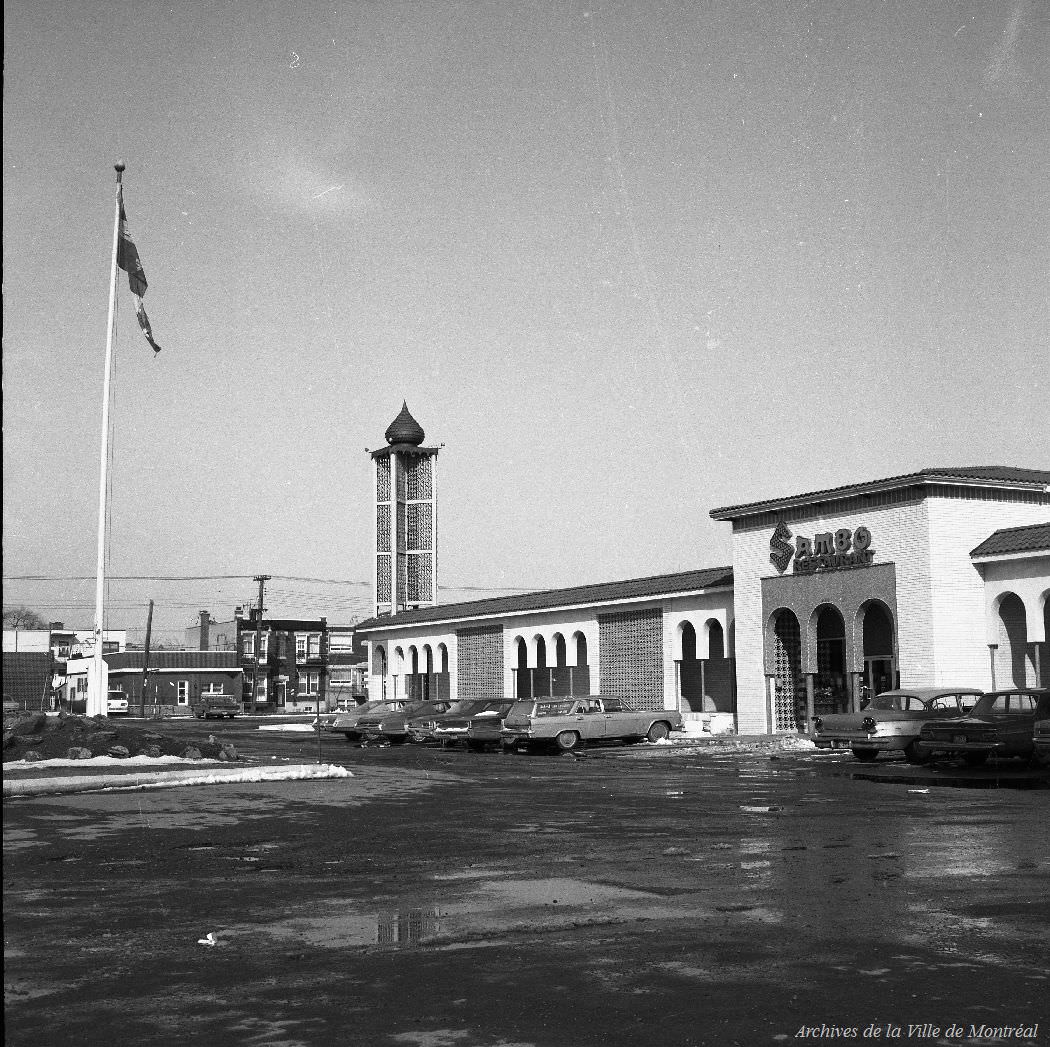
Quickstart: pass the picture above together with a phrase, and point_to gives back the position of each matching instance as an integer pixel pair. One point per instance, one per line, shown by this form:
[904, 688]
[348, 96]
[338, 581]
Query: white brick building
[874, 584]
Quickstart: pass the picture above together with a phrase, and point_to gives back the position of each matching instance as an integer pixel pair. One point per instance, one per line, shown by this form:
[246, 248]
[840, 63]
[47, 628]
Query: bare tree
[23, 617]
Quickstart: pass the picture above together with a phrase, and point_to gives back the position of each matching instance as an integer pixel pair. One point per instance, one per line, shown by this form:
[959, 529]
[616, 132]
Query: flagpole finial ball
[119, 166]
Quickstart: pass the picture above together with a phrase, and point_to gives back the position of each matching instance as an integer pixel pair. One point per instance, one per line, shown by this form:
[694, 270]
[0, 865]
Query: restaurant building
[935, 577]
[930, 578]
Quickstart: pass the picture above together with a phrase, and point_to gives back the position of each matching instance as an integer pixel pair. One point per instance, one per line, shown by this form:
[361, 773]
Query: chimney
[205, 619]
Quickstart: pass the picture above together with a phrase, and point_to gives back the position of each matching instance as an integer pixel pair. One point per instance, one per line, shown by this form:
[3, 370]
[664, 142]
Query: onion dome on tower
[404, 429]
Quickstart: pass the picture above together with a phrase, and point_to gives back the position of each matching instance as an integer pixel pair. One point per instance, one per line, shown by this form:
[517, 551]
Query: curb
[168, 779]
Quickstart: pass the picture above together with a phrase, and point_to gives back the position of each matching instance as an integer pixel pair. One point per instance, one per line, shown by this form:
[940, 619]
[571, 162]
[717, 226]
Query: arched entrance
[522, 676]
[830, 687]
[1015, 663]
[690, 674]
[880, 662]
[789, 689]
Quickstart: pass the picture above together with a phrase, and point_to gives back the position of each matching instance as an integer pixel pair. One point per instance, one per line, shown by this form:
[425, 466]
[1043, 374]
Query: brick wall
[479, 662]
[960, 521]
[631, 664]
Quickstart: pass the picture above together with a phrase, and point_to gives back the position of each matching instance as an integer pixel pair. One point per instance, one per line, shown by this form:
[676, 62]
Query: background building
[285, 663]
[174, 681]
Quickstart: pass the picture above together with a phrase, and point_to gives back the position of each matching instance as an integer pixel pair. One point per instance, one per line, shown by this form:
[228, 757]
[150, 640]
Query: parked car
[1041, 741]
[11, 706]
[217, 705]
[892, 721]
[421, 728]
[325, 721]
[346, 723]
[391, 725]
[1001, 723]
[566, 722]
[478, 727]
[116, 703]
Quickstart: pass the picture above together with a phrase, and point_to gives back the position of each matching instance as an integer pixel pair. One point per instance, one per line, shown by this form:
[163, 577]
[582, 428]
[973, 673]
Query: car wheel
[658, 731]
[975, 759]
[475, 747]
[913, 754]
[350, 737]
[866, 755]
[567, 741]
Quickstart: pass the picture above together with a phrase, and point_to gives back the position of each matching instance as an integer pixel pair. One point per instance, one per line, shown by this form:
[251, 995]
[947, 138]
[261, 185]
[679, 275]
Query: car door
[589, 719]
[620, 722]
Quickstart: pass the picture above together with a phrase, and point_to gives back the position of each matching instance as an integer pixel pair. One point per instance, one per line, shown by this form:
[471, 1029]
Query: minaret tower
[406, 519]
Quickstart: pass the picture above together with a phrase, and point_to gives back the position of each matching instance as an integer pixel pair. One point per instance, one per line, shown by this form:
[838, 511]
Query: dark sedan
[391, 724]
[1002, 723]
[479, 728]
[430, 727]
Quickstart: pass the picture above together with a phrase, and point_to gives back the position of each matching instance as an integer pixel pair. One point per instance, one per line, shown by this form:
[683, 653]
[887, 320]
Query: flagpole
[97, 704]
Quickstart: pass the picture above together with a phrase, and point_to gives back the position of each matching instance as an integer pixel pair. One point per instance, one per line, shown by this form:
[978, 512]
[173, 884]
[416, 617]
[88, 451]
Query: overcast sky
[626, 261]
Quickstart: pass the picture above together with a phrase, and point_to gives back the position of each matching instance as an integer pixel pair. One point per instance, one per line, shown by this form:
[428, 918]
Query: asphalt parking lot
[632, 895]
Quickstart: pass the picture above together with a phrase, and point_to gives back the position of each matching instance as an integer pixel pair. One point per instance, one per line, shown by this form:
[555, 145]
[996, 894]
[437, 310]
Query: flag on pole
[128, 260]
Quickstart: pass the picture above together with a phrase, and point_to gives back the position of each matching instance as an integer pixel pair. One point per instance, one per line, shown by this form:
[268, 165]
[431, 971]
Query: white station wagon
[566, 722]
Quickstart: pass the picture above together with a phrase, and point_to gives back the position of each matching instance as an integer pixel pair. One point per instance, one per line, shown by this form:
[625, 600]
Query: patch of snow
[296, 727]
[108, 761]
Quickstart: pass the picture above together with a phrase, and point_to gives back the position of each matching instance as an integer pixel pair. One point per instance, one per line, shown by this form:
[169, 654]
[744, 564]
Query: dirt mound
[60, 737]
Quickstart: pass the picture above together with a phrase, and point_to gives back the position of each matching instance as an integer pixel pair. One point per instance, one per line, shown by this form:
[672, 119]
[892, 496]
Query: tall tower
[406, 519]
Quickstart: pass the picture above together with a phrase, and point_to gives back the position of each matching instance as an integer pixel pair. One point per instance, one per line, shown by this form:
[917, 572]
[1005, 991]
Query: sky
[626, 262]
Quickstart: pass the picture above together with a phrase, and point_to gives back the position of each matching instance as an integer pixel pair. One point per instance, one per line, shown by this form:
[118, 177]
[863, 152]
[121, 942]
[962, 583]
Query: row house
[285, 663]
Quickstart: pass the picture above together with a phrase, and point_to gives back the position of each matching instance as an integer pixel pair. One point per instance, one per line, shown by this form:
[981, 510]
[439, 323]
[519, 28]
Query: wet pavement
[640, 895]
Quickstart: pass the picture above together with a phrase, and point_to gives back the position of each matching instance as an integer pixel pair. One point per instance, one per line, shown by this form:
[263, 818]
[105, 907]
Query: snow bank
[169, 779]
[106, 761]
[298, 727]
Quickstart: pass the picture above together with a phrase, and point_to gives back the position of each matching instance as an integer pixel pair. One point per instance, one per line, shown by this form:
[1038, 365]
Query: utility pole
[262, 579]
[145, 661]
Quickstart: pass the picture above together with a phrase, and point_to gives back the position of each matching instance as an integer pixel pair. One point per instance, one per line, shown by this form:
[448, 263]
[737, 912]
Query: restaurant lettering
[828, 551]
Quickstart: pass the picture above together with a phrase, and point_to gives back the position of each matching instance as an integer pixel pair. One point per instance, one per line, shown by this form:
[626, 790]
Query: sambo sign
[829, 551]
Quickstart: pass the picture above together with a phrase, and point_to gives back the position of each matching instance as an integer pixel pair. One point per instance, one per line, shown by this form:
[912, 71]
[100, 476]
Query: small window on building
[300, 648]
[182, 691]
[313, 648]
[248, 645]
[309, 683]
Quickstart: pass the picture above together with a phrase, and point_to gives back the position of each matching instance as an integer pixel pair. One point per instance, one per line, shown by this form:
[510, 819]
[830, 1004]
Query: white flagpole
[97, 704]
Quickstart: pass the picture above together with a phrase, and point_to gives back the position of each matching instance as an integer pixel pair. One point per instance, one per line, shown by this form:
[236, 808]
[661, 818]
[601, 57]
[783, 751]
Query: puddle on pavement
[489, 909]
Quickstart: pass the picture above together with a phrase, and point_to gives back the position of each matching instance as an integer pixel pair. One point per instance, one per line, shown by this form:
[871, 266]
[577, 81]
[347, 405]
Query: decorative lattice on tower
[405, 518]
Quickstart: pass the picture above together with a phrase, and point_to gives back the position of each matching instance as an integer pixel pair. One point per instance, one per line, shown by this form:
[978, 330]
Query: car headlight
[818, 722]
[867, 724]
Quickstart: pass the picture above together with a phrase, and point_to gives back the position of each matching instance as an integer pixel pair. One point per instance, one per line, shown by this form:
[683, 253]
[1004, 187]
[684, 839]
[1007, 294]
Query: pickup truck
[218, 705]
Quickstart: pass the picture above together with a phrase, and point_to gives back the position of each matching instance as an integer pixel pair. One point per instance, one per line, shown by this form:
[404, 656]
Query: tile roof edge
[889, 483]
[718, 575]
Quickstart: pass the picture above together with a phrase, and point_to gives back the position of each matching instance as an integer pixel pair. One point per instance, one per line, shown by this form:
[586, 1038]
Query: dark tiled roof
[601, 592]
[1032, 538]
[990, 475]
[27, 676]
